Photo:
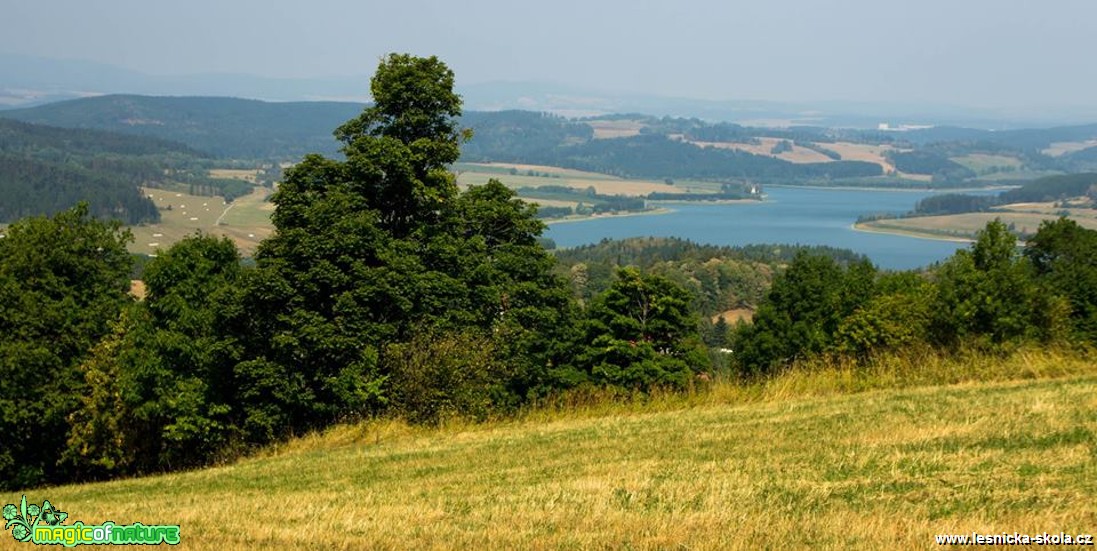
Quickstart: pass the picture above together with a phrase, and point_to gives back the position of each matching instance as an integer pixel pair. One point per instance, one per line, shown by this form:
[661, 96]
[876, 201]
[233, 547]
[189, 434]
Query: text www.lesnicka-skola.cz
[1015, 538]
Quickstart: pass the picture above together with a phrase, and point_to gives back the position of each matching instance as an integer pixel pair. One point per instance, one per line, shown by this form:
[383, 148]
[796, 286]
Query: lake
[794, 215]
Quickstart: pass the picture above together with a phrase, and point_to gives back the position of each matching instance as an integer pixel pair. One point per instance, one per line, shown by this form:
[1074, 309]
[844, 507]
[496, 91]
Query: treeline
[719, 278]
[988, 297]
[928, 162]
[31, 187]
[45, 170]
[1042, 190]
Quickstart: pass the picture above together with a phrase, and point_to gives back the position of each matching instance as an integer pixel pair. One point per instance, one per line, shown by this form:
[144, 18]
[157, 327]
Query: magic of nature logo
[45, 525]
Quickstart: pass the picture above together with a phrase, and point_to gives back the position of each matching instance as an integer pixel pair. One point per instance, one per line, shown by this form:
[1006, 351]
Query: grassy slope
[800, 461]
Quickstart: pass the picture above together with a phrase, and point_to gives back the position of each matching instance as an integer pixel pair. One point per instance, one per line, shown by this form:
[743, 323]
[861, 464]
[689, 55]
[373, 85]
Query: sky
[979, 53]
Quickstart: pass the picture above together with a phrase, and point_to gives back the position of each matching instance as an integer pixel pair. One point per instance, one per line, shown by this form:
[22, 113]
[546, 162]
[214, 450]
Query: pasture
[832, 458]
[246, 220]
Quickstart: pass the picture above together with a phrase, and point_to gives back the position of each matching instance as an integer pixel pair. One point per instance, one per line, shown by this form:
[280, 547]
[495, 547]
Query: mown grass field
[246, 220]
[879, 457]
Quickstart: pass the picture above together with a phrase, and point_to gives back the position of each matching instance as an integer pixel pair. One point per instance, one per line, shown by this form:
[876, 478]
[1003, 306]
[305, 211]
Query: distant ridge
[222, 127]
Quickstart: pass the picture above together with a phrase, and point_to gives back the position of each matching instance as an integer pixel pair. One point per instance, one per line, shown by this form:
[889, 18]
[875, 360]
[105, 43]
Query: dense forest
[386, 290]
[45, 169]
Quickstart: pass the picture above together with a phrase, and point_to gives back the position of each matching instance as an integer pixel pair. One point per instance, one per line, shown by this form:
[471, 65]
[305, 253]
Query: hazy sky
[964, 52]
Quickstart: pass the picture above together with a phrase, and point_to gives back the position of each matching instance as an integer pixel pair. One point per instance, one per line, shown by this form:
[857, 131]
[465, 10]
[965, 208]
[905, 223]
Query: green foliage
[641, 334]
[374, 252]
[433, 376]
[160, 387]
[1064, 256]
[987, 293]
[62, 281]
[888, 321]
[802, 312]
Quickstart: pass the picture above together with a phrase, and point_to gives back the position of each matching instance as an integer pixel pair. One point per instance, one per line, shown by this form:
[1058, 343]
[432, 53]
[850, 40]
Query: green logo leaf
[21, 520]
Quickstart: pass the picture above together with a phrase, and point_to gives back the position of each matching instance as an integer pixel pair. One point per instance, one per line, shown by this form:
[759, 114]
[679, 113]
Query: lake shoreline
[865, 227]
[576, 218]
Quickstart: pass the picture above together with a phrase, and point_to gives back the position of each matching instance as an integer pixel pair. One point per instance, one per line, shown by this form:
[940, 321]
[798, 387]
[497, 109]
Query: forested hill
[223, 127]
[44, 170]
[630, 146]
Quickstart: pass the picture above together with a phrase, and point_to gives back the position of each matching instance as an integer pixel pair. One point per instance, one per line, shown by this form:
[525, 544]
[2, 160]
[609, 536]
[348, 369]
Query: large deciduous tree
[381, 249]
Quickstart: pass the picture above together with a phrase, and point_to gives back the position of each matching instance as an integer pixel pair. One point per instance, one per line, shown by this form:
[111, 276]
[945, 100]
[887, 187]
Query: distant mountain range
[28, 81]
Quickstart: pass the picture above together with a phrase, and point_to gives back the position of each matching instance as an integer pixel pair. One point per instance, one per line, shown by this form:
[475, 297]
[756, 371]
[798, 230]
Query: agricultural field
[1058, 149]
[792, 463]
[246, 220]
[765, 146]
[1022, 217]
[609, 129]
[981, 162]
[604, 184]
[247, 175]
[864, 152]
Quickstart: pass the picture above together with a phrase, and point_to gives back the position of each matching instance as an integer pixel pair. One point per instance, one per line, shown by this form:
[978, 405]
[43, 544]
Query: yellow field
[246, 221]
[863, 152]
[823, 459]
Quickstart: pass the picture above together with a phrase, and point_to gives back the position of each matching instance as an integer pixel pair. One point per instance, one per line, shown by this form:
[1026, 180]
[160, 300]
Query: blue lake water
[808, 216]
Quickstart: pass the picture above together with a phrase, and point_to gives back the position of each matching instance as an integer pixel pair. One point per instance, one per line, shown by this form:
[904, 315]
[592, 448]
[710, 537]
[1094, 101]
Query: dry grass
[832, 458]
[735, 315]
